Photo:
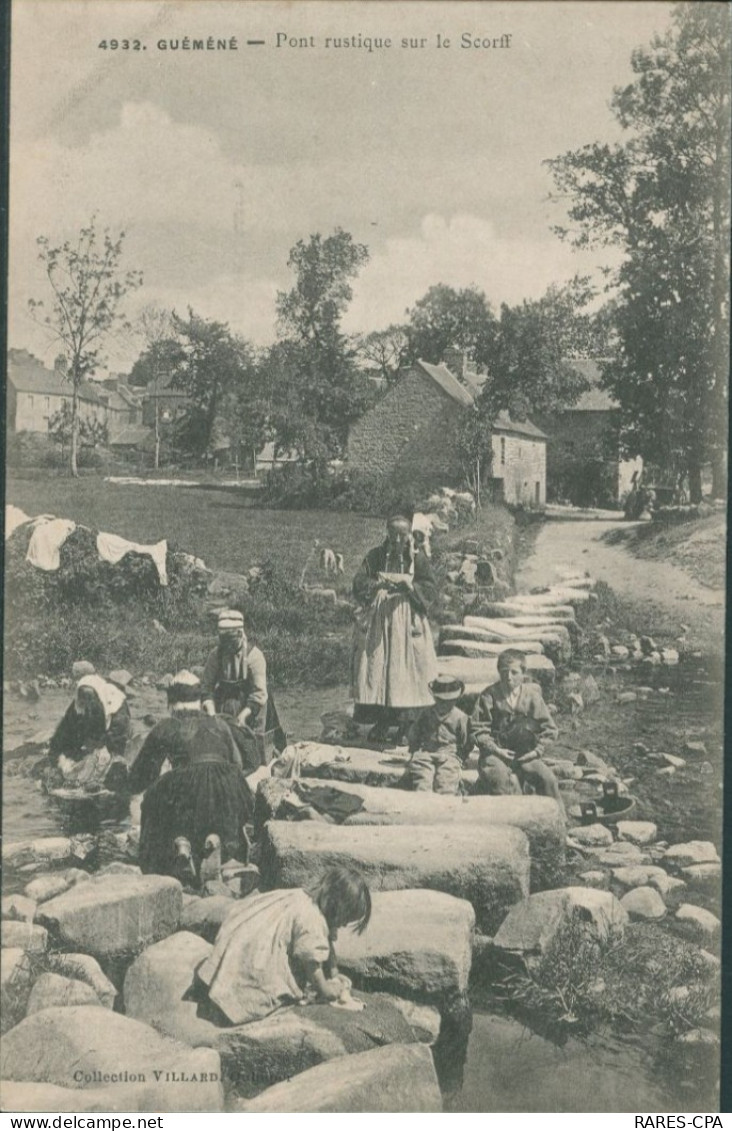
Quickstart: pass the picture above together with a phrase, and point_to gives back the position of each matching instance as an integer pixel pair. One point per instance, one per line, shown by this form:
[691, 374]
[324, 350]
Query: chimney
[454, 359]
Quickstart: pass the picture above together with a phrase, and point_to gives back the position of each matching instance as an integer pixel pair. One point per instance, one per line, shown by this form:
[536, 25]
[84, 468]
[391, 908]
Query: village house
[35, 394]
[124, 407]
[584, 461]
[413, 430]
[162, 399]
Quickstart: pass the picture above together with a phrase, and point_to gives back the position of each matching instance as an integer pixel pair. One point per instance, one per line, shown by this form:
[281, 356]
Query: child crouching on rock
[439, 741]
[512, 726]
[277, 947]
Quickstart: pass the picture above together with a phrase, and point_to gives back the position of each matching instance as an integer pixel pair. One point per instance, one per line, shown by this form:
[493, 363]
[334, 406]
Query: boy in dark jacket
[512, 727]
[439, 741]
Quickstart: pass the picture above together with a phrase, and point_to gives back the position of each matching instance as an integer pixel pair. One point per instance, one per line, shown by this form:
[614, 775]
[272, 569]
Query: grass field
[219, 525]
[306, 642]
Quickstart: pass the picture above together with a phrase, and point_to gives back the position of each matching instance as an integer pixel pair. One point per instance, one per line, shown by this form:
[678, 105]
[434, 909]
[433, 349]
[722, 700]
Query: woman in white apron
[394, 657]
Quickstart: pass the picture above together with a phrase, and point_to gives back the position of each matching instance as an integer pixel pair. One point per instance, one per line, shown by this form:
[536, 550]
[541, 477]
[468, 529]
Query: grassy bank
[697, 547]
[306, 640]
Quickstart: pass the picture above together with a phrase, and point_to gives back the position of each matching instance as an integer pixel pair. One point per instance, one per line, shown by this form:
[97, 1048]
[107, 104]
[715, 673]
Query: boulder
[701, 925]
[666, 884]
[637, 875]
[643, 903]
[158, 982]
[54, 991]
[204, 916]
[119, 868]
[695, 749]
[423, 1020]
[47, 886]
[18, 907]
[46, 850]
[262, 1053]
[84, 968]
[81, 668]
[27, 936]
[418, 943]
[591, 835]
[619, 853]
[487, 866]
[593, 879]
[674, 760]
[89, 1045]
[121, 677]
[113, 915]
[703, 875]
[533, 925]
[637, 832]
[691, 852]
[540, 818]
[398, 1078]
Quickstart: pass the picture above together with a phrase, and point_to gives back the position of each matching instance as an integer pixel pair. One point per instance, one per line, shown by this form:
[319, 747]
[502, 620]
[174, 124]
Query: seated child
[439, 741]
[276, 947]
[511, 725]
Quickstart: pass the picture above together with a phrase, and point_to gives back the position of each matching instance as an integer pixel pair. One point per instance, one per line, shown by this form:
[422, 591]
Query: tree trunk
[719, 474]
[74, 429]
[695, 483]
[157, 433]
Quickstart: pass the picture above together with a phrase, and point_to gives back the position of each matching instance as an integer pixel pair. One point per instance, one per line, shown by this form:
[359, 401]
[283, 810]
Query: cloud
[462, 250]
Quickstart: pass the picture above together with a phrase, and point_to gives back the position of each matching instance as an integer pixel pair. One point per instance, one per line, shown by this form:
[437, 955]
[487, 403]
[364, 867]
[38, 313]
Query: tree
[445, 318]
[213, 365]
[91, 431]
[88, 287]
[315, 388]
[161, 356]
[385, 351]
[662, 196]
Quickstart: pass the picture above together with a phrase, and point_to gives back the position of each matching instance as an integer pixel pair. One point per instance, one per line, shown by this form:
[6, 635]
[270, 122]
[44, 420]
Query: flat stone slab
[399, 1078]
[487, 866]
[540, 818]
[479, 674]
[46, 850]
[418, 943]
[478, 649]
[350, 763]
[84, 1044]
[116, 914]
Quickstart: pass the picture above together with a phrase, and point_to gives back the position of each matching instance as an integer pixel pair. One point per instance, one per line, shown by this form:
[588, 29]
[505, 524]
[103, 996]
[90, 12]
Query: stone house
[35, 394]
[124, 407]
[584, 461]
[171, 404]
[412, 431]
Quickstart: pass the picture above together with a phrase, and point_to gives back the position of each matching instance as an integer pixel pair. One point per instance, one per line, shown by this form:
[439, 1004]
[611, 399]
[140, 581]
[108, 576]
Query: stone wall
[520, 463]
[583, 458]
[412, 429]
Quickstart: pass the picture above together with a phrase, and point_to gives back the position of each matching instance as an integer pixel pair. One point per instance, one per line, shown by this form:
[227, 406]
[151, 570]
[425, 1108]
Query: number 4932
[120, 45]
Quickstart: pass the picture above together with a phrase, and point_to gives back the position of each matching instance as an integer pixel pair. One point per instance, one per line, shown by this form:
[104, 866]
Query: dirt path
[578, 545]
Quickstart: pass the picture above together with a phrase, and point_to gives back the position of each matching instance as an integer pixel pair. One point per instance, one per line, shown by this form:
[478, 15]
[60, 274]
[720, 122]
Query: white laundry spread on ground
[46, 541]
[14, 517]
[112, 549]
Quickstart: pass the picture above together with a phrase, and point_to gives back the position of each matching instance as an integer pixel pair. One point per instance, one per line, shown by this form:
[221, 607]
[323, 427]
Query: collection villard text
[283, 40]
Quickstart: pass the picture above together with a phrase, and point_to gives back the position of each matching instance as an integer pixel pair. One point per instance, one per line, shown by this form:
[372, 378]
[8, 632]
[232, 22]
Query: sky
[214, 163]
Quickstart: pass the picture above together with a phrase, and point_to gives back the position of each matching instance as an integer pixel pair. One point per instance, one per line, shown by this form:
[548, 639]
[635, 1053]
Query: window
[503, 450]
[537, 492]
[47, 403]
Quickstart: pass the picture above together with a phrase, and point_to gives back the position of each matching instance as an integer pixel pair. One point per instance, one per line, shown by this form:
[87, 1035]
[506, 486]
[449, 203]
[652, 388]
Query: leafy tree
[385, 351]
[662, 196]
[90, 431]
[213, 366]
[88, 286]
[315, 389]
[444, 318]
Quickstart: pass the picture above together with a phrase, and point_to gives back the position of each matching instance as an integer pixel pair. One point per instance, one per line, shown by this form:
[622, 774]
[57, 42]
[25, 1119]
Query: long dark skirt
[194, 801]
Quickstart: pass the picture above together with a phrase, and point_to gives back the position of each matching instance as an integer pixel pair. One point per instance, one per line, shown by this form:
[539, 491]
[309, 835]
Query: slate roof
[463, 396]
[595, 399]
[29, 375]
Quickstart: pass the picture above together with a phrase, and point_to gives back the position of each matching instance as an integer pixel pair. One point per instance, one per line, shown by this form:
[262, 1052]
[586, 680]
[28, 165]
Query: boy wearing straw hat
[439, 741]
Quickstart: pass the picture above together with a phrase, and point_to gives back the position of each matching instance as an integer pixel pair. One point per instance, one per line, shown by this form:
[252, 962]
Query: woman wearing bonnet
[204, 792]
[394, 657]
[93, 732]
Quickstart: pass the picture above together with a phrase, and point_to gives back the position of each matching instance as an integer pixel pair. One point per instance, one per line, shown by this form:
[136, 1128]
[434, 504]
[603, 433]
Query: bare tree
[156, 328]
[88, 286]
